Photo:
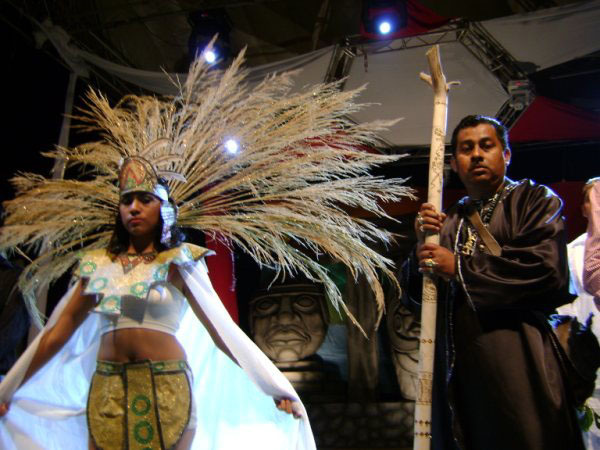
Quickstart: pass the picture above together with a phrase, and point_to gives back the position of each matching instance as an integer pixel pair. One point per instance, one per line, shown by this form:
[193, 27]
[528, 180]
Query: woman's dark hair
[119, 241]
[473, 121]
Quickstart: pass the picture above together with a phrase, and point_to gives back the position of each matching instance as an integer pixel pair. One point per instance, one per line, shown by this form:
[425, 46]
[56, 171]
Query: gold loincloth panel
[139, 406]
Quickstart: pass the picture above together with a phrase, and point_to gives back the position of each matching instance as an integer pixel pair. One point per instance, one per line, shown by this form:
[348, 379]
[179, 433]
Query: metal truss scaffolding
[472, 36]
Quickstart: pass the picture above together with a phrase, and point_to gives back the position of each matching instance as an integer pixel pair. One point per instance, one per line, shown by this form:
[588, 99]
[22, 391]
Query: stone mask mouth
[287, 333]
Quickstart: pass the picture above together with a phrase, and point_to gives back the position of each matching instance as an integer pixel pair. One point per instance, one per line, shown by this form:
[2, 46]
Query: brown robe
[498, 383]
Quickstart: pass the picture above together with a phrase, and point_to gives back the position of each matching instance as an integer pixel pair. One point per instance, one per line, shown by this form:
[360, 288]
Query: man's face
[479, 159]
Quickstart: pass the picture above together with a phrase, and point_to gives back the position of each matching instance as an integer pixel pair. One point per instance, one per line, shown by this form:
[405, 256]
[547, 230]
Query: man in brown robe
[498, 383]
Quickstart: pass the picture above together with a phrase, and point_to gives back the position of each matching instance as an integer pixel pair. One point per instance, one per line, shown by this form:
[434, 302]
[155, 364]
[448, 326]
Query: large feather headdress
[283, 197]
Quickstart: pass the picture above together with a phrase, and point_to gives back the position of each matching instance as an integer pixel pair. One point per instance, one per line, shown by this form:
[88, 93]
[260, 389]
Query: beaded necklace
[130, 260]
[466, 244]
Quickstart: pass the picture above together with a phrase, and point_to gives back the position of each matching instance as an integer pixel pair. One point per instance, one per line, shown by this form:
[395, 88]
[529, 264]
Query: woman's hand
[428, 220]
[289, 406]
[436, 259]
[4, 407]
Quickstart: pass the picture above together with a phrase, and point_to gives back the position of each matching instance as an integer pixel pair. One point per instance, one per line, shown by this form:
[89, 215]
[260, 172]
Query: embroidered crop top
[141, 297]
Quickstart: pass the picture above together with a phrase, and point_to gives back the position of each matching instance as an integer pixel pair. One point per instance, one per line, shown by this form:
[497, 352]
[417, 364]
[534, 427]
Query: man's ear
[507, 155]
[453, 163]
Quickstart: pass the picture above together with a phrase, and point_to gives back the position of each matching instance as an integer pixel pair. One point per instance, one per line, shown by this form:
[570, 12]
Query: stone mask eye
[305, 303]
[266, 306]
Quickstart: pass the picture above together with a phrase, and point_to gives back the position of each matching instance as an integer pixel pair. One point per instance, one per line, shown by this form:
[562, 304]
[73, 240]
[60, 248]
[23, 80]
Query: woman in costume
[142, 372]
[279, 199]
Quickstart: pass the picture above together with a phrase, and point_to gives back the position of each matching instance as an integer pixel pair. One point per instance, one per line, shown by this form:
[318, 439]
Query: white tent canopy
[395, 86]
[314, 65]
[543, 38]
[551, 36]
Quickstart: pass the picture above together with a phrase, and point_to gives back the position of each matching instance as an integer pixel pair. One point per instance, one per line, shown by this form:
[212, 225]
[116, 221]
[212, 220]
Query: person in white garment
[581, 308]
[142, 392]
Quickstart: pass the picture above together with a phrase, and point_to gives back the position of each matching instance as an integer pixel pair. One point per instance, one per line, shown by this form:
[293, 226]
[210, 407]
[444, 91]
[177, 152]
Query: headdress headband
[138, 175]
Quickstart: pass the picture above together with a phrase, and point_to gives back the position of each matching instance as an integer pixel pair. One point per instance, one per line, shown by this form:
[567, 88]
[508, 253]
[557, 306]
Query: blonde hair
[587, 187]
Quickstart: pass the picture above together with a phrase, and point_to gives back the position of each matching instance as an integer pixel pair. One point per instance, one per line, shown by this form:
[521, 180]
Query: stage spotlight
[385, 27]
[205, 26]
[232, 146]
[383, 18]
[209, 56]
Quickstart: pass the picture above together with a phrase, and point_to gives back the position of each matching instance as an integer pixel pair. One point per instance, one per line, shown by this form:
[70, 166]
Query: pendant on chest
[130, 261]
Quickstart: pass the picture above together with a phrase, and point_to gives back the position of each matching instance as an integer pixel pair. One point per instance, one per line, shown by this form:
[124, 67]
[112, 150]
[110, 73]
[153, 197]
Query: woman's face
[140, 213]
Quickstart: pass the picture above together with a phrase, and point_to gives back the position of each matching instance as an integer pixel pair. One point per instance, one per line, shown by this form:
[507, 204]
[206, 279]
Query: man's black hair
[477, 119]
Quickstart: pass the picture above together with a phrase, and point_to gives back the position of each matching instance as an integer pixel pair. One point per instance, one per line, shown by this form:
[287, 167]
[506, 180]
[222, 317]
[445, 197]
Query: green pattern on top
[107, 278]
[97, 284]
[87, 268]
[161, 272]
[139, 289]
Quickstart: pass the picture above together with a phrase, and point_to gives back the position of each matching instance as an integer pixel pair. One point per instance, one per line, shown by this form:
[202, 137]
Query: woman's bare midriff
[137, 344]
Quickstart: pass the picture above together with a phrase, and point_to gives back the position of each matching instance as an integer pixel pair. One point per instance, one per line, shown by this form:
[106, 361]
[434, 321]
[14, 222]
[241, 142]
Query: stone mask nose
[285, 309]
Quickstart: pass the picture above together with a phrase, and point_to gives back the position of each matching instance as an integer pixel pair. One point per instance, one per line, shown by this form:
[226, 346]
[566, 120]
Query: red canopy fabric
[221, 271]
[550, 120]
[572, 194]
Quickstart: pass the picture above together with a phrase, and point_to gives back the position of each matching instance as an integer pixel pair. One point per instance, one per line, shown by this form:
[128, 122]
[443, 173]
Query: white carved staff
[437, 80]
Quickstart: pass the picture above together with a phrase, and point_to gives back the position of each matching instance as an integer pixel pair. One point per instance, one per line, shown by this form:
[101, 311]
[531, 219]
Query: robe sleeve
[532, 271]
[591, 267]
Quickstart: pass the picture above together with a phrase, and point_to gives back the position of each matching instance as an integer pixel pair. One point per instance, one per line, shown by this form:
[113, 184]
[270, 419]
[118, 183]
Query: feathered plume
[281, 197]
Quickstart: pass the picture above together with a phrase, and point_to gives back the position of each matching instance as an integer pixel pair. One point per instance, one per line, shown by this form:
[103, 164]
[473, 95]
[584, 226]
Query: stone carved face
[289, 322]
[404, 330]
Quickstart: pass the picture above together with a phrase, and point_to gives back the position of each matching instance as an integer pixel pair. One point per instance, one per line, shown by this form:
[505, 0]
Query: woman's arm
[55, 337]
[52, 341]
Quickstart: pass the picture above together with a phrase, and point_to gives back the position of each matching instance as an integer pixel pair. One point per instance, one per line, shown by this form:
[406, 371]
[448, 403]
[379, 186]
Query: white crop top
[162, 310]
[140, 297]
